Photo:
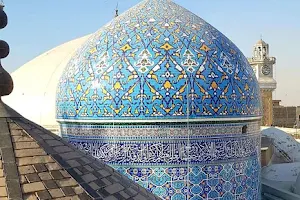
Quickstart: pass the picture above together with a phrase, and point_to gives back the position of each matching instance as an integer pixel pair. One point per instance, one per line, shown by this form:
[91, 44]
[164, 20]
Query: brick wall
[284, 116]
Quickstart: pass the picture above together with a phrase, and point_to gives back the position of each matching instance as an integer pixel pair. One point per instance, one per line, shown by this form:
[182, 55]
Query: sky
[36, 26]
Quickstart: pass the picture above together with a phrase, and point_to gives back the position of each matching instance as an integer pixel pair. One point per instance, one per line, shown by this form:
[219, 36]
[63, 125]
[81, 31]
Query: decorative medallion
[144, 62]
[189, 62]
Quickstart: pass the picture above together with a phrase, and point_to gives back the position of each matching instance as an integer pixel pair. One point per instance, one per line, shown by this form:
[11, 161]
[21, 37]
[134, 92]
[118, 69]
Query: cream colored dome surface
[35, 84]
[285, 145]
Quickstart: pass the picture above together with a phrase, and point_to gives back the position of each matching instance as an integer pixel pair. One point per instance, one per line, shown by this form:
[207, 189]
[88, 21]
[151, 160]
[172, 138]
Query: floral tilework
[157, 61]
[167, 100]
[234, 180]
[218, 166]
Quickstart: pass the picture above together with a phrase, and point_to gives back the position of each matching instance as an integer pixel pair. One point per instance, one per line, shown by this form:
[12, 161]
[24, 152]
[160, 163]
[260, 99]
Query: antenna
[117, 10]
[1, 4]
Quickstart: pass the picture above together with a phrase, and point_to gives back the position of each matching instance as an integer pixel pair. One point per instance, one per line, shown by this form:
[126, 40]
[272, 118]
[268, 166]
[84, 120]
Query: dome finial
[6, 83]
[117, 10]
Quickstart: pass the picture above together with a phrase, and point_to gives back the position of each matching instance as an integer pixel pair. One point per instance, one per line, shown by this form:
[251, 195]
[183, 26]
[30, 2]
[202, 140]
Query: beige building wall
[267, 105]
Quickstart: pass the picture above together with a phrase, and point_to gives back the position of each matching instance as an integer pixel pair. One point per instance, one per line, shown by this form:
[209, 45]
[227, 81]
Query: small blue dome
[158, 62]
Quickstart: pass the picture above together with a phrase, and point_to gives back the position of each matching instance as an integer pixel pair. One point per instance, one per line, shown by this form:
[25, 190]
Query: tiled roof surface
[40, 165]
[3, 193]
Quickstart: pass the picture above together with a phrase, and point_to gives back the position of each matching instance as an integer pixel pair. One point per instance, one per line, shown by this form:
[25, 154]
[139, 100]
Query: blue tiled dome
[157, 61]
[167, 100]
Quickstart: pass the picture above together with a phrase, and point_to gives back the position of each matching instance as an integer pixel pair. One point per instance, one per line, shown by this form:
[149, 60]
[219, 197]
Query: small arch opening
[244, 129]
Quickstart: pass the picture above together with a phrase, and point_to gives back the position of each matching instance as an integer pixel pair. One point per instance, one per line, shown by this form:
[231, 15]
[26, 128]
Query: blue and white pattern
[167, 100]
[237, 180]
[172, 152]
[162, 130]
[157, 61]
[201, 165]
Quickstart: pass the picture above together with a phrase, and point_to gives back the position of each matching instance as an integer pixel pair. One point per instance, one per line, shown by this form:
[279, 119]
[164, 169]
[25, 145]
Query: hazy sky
[36, 26]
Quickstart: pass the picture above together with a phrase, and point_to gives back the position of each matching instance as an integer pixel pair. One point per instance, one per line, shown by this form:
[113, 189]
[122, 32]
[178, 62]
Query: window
[244, 129]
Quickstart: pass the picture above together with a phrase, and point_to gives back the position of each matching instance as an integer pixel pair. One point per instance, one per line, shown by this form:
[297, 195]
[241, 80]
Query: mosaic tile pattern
[182, 167]
[167, 130]
[142, 93]
[157, 61]
[235, 180]
[173, 152]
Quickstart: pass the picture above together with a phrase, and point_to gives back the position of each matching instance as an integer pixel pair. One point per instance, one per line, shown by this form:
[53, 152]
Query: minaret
[263, 66]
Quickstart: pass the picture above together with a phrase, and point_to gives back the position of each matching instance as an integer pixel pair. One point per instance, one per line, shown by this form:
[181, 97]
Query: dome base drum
[178, 160]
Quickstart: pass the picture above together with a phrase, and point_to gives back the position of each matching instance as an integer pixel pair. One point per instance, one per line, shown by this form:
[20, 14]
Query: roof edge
[13, 186]
[7, 112]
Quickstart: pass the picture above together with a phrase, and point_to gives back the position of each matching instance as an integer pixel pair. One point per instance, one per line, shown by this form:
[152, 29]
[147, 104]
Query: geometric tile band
[201, 166]
[169, 152]
[233, 180]
[167, 130]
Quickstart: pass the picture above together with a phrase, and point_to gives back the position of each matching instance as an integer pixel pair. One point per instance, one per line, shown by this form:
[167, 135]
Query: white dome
[35, 84]
[285, 145]
[283, 172]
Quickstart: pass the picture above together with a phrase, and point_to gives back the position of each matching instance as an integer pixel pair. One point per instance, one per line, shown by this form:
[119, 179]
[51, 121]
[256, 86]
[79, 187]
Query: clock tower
[262, 65]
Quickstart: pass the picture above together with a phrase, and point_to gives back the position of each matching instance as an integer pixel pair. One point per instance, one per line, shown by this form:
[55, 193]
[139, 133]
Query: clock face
[266, 70]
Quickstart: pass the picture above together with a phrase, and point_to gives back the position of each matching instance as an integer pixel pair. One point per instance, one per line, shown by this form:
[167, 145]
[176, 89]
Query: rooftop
[37, 164]
[261, 42]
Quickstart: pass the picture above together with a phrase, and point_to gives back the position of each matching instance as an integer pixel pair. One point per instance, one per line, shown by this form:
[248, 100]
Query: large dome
[158, 62]
[167, 100]
[35, 98]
